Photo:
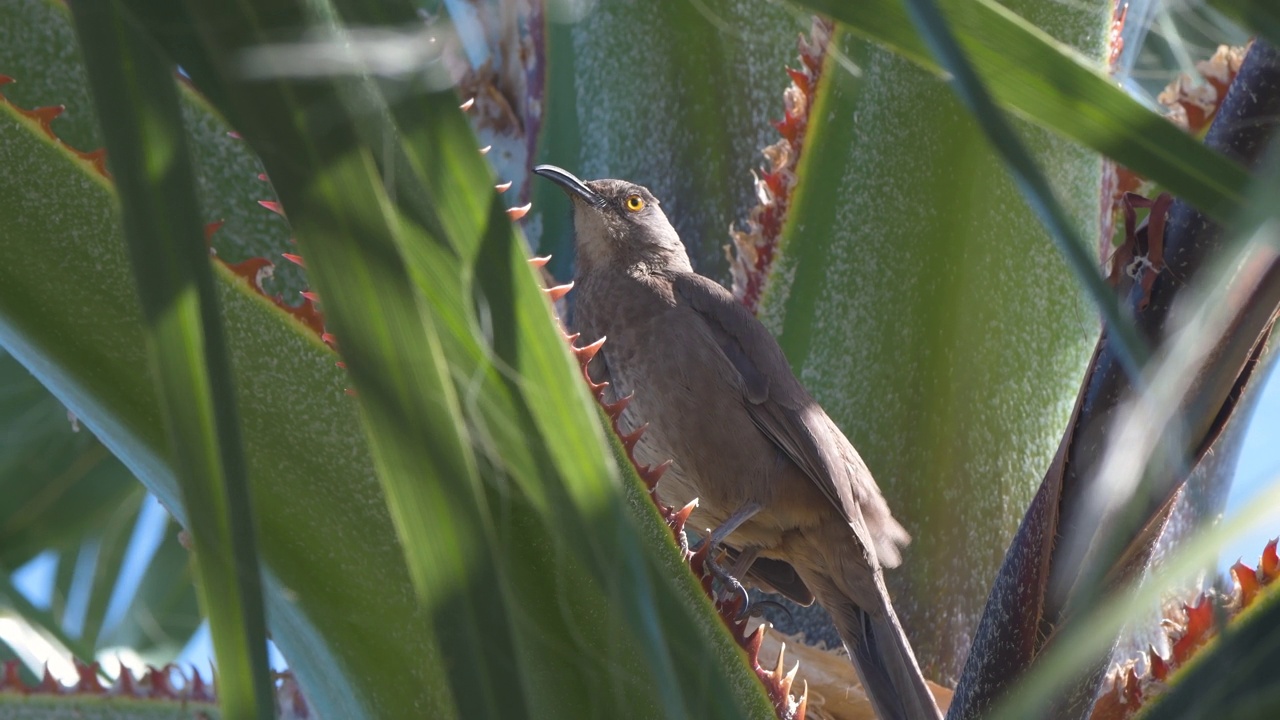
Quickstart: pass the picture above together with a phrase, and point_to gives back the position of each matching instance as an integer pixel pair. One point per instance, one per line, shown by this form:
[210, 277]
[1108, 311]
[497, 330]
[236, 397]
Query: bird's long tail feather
[880, 652]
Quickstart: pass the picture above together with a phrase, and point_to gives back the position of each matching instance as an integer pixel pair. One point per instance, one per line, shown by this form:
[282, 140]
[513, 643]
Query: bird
[775, 478]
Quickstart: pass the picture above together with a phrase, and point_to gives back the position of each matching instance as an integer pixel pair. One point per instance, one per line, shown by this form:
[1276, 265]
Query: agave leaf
[1231, 677]
[920, 300]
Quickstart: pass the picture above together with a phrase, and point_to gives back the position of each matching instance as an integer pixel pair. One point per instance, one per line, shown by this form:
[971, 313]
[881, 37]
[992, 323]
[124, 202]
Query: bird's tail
[879, 649]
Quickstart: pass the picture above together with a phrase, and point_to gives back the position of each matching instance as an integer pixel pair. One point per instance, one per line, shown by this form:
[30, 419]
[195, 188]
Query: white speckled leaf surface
[922, 303]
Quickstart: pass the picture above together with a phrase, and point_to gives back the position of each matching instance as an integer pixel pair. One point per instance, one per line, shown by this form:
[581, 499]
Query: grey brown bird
[774, 477]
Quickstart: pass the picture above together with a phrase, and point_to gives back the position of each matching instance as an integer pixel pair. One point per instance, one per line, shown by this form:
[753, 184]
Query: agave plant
[379, 446]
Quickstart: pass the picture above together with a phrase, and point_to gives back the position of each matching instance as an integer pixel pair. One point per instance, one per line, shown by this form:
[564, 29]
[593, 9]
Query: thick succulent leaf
[64, 483]
[80, 330]
[1028, 73]
[678, 96]
[1030, 180]
[136, 97]
[919, 299]
[1234, 677]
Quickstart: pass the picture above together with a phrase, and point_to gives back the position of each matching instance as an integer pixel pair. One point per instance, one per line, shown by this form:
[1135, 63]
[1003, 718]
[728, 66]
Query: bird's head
[618, 224]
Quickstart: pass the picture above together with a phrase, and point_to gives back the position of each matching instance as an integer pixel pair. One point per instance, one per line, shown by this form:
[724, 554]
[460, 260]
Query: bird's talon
[756, 609]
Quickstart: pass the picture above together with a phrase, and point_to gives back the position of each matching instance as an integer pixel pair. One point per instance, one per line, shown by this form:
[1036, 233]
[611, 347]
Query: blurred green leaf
[1027, 176]
[1030, 73]
[112, 546]
[64, 574]
[1259, 15]
[43, 620]
[164, 612]
[137, 101]
[57, 483]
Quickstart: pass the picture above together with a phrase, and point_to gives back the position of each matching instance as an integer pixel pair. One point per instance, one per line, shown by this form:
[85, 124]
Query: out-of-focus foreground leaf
[136, 97]
[1045, 82]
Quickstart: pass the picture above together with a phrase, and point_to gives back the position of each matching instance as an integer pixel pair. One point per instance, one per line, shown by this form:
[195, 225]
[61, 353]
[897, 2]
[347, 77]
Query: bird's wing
[779, 405]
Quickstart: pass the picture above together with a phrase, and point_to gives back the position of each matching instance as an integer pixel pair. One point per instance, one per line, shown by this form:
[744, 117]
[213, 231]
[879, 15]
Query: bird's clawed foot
[728, 578]
[711, 544]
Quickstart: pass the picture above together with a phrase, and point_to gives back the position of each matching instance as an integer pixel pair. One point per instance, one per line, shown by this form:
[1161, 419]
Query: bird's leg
[746, 556]
[742, 564]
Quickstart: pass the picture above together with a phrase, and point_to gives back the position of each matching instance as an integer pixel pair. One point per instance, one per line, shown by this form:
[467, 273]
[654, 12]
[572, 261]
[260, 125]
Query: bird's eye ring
[635, 203]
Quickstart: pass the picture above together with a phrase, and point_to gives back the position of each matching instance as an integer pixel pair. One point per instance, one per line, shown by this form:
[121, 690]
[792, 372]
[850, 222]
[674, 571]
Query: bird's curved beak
[569, 183]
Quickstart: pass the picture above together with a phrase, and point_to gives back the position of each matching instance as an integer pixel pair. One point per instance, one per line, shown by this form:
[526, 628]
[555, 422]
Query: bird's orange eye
[635, 203]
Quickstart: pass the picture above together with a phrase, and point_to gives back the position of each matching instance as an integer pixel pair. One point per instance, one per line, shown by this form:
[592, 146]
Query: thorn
[467, 105]
[1247, 580]
[263, 177]
[329, 339]
[754, 643]
[571, 339]
[652, 475]
[800, 79]
[295, 259]
[503, 187]
[341, 364]
[586, 352]
[614, 409]
[45, 117]
[559, 291]
[485, 150]
[348, 391]
[682, 516]
[211, 228]
[99, 159]
[540, 261]
[124, 684]
[516, 213]
[273, 206]
[781, 665]
[790, 678]
[1270, 563]
[49, 685]
[630, 439]
[234, 135]
[1159, 669]
[803, 707]
[310, 296]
